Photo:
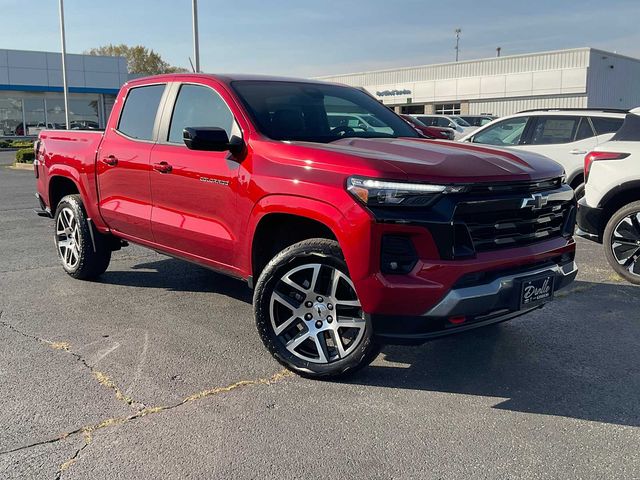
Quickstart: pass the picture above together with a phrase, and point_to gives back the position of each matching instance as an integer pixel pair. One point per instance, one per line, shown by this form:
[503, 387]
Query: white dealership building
[575, 78]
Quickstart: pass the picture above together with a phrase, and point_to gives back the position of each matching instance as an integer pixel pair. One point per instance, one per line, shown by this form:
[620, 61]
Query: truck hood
[443, 161]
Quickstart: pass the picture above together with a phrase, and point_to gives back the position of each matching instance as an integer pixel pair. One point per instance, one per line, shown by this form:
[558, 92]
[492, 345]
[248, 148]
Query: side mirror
[211, 139]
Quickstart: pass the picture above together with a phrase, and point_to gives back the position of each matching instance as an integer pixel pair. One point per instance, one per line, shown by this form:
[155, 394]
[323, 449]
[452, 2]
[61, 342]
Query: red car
[350, 238]
[442, 133]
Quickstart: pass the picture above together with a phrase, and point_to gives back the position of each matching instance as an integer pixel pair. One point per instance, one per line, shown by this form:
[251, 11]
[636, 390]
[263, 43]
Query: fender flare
[619, 189]
[70, 173]
[306, 207]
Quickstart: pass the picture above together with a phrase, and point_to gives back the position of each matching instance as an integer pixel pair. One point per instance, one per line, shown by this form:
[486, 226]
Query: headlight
[374, 192]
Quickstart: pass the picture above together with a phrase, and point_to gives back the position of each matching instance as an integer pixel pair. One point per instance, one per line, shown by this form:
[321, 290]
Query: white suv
[562, 135]
[609, 213]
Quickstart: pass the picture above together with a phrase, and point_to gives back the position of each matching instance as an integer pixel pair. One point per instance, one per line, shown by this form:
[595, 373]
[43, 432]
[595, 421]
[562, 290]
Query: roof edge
[399, 69]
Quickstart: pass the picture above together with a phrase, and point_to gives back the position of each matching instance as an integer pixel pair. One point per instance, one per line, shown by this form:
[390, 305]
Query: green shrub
[4, 144]
[25, 155]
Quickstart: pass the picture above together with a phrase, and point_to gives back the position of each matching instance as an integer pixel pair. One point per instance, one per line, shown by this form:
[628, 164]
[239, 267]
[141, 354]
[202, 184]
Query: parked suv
[562, 135]
[609, 213]
[349, 237]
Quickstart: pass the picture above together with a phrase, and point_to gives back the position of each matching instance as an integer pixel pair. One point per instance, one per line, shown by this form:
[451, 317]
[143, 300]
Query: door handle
[110, 160]
[575, 151]
[162, 167]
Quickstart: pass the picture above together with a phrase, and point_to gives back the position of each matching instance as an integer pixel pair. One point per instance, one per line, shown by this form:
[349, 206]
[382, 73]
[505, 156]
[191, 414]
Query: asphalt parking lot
[156, 371]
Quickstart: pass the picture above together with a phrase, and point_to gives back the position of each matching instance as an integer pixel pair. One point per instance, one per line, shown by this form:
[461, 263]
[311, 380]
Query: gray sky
[305, 38]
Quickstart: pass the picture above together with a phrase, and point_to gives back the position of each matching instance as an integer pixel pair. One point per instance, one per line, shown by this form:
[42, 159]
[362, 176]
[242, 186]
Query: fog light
[457, 320]
[398, 254]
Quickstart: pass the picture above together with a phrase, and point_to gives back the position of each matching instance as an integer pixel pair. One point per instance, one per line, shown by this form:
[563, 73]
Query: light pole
[64, 66]
[196, 43]
[457, 31]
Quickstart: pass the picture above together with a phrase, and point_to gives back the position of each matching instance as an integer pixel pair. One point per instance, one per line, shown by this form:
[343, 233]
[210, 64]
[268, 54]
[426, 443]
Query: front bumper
[590, 221]
[482, 304]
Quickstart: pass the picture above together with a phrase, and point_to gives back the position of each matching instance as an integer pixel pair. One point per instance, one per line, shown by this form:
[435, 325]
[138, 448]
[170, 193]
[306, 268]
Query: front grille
[495, 225]
[516, 187]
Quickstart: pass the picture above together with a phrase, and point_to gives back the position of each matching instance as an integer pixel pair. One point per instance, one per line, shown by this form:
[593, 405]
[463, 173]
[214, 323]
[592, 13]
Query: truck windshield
[315, 112]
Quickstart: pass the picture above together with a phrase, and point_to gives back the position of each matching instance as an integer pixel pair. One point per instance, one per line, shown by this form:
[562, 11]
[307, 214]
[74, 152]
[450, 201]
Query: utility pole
[196, 43]
[457, 31]
[498, 50]
[65, 89]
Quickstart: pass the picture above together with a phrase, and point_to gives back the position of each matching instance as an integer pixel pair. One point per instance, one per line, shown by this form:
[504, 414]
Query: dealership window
[55, 113]
[447, 109]
[83, 114]
[412, 109]
[34, 115]
[10, 116]
[46, 110]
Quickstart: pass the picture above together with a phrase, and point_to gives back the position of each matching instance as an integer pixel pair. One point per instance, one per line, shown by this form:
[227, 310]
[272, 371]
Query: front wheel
[308, 313]
[84, 253]
[622, 242]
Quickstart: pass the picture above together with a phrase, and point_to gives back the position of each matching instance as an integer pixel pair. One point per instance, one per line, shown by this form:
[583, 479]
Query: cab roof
[223, 78]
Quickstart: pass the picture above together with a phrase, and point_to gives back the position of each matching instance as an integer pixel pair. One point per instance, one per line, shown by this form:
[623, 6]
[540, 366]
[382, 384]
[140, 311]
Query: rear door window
[554, 130]
[584, 129]
[139, 112]
[606, 124]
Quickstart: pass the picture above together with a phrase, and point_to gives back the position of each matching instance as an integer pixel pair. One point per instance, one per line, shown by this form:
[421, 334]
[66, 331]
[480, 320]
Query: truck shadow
[579, 357]
[177, 275]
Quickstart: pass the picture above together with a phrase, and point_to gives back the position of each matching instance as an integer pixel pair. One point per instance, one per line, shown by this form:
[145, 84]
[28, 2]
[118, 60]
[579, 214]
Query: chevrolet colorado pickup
[350, 238]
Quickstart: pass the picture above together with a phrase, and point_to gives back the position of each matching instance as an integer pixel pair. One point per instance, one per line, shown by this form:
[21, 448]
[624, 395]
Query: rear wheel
[308, 313]
[75, 241]
[622, 242]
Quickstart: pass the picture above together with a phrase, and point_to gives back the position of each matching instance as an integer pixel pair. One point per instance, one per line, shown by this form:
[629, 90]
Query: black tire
[314, 251]
[579, 191]
[632, 209]
[89, 263]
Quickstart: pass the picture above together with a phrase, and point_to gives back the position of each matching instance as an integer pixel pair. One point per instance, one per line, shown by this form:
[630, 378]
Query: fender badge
[214, 180]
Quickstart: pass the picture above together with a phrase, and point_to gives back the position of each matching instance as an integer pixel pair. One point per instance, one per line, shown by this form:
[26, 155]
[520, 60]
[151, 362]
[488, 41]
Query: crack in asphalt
[88, 430]
[102, 378]
[66, 465]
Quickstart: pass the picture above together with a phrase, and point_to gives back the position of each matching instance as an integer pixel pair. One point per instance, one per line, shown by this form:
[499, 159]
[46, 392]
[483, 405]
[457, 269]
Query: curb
[22, 166]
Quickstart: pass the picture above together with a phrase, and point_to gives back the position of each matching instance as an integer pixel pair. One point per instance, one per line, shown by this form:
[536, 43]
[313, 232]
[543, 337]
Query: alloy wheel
[316, 314]
[625, 243]
[68, 238]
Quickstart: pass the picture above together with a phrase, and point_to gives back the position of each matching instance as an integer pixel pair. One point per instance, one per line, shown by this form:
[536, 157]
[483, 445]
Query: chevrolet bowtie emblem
[535, 201]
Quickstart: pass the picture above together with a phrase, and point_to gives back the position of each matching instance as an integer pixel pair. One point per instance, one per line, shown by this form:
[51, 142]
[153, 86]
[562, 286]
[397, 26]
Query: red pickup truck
[350, 238]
